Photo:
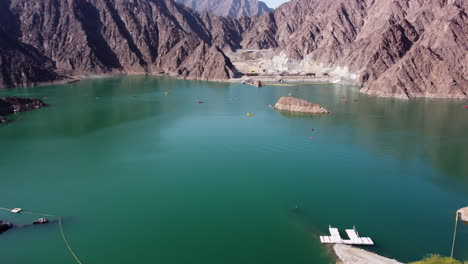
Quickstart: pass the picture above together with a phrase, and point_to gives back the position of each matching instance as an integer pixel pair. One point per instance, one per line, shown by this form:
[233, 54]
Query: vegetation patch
[436, 259]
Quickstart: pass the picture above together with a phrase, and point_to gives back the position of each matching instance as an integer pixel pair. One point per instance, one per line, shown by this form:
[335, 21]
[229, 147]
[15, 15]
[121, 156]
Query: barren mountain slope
[229, 8]
[79, 37]
[393, 47]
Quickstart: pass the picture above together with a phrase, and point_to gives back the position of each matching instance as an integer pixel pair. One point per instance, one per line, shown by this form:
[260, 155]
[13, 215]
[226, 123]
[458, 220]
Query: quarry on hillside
[268, 66]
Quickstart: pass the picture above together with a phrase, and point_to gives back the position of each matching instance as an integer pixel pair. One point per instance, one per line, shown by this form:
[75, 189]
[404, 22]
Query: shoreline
[267, 80]
[346, 254]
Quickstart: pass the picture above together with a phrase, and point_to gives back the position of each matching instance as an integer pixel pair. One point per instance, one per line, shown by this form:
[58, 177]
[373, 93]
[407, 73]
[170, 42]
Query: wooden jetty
[354, 238]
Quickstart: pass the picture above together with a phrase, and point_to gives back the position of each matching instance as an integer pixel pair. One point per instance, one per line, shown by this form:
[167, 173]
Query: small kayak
[466, 106]
[249, 114]
[200, 102]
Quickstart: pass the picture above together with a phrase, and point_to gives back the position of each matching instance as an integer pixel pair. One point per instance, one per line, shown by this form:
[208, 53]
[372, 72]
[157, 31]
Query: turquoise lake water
[141, 176]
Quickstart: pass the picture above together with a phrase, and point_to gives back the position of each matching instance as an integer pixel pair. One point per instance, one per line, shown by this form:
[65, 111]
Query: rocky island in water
[298, 105]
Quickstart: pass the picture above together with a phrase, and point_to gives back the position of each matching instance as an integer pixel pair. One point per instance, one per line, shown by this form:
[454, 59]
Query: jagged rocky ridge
[402, 48]
[48, 40]
[229, 8]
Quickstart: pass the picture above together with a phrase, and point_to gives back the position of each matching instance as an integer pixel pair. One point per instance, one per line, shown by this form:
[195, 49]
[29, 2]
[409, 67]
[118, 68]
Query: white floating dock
[353, 235]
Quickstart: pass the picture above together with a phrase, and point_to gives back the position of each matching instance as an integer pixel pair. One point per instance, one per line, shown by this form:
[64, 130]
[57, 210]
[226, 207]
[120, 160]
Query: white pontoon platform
[16, 210]
[353, 235]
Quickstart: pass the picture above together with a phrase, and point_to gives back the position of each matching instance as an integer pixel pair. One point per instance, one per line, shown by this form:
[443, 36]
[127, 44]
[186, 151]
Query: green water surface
[143, 173]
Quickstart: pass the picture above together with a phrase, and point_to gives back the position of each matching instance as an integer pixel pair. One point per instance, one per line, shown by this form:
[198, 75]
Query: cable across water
[61, 230]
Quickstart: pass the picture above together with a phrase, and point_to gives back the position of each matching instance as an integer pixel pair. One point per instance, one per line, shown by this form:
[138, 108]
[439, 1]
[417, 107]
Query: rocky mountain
[47, 40]
[402, 48]
[229, 8]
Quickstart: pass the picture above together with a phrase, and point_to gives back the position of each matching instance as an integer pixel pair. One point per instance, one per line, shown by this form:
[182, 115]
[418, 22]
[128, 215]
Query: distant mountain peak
[229, 8]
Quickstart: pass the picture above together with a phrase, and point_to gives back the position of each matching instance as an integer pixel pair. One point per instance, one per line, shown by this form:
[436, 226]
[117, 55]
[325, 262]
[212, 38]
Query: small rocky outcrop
[256, 83]
[4, 226]
[41, 221]
[299, 105]
[12, 104]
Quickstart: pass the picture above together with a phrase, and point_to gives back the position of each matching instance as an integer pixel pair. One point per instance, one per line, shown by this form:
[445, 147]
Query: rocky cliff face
[229, 8]
[403, 48]
[46, 40]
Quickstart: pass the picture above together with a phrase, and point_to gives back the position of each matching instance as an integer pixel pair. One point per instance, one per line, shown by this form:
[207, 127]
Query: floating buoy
[166, 93]
[16, 210]
[466, 106]
[200, 102]
[249, 114]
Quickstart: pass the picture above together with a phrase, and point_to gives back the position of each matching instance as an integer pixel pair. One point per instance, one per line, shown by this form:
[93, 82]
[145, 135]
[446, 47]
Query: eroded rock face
[402, 48]
[47, 40]
[229, 8]
[299, 105]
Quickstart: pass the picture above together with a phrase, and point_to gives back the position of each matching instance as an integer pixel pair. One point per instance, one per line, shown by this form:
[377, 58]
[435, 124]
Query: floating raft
[354, 238]
[16, 210]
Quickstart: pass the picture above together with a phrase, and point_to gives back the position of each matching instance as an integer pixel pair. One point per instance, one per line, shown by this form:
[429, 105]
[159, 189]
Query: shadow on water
[91, 105]
[433, 130]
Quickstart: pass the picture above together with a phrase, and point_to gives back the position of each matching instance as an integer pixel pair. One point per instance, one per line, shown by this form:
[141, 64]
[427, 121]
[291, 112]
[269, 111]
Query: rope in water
[61, 230]
[454, 234]
[66, 242]
[9, 124]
